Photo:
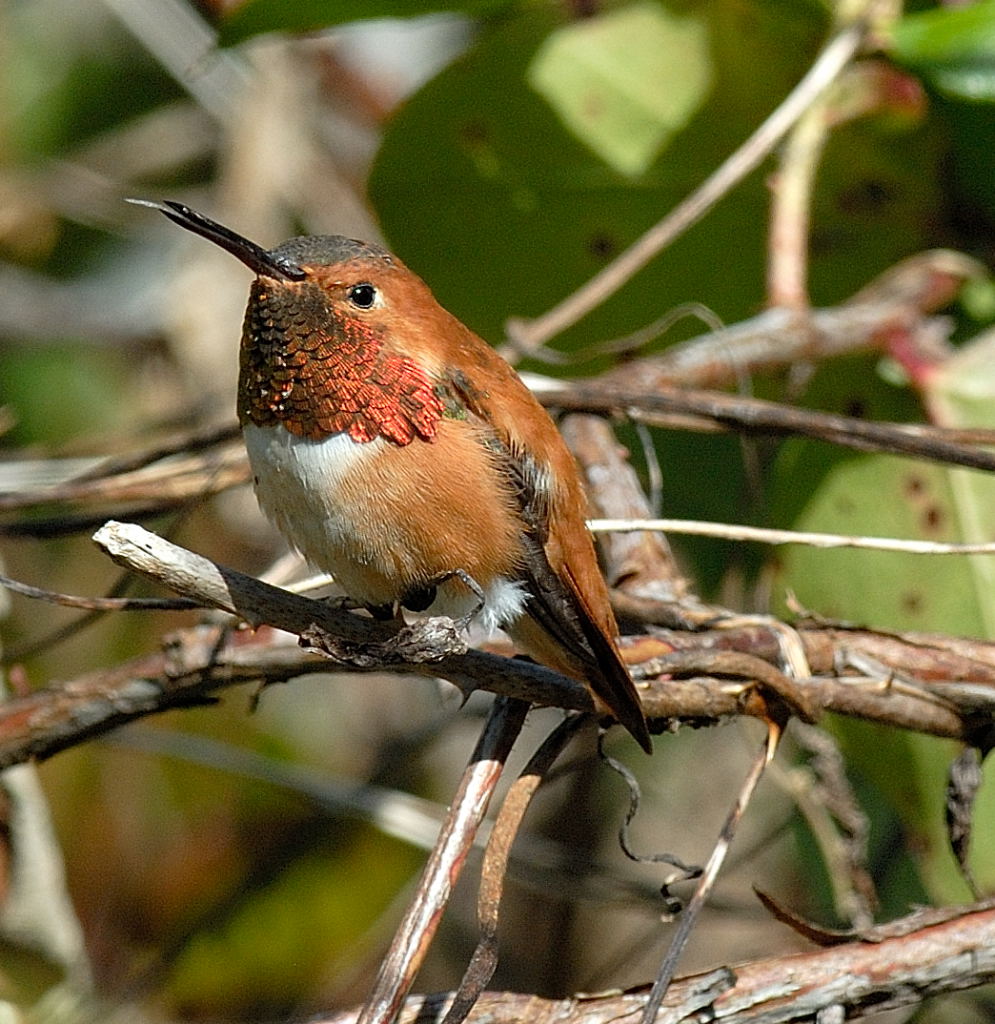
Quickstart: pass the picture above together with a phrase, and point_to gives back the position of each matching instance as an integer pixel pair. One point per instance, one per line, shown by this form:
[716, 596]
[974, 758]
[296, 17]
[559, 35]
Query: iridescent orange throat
[318, 373]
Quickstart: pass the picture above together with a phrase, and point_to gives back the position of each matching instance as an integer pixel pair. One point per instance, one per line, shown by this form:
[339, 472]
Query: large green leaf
[952, 47]
[962, 394]
[485, 191]
[816, 488]
[878, 495]
[881, 495]
[506, 199]
[819, 489]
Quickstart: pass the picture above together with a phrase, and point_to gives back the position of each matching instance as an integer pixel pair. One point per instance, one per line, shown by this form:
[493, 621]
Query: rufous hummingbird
[399, 452]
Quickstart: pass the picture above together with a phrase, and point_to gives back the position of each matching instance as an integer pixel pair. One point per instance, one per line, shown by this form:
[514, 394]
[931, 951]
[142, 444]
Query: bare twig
[185, 443]
[414, 934]
[180, 478]
[964, 778]
[825, 798]
[763, 535]
[895, 303]
[102, 604]
[708, 876]
[771, 681]
[956, 677]
[791, 188]
[181, 39]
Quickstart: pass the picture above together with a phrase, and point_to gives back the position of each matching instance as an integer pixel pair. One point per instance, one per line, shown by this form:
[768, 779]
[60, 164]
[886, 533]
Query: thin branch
[430, 645]
[101, 604]
[894, 304]
[40, 933]
[709, 875]
[790, 211]
[764, 535]
[539, 863]
[412, 819]
[166, 481]
[825, 798]
[480, 970]
[180, 39]
[187, 442]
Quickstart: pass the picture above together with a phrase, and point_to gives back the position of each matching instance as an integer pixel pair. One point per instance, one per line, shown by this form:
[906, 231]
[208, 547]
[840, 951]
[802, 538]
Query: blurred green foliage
[557, 136]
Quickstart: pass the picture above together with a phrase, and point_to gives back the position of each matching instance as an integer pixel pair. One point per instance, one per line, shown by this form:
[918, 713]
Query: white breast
[296, 482]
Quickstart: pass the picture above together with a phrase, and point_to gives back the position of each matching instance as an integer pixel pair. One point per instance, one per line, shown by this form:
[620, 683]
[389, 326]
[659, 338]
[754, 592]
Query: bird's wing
[567, 595]
[557, 600]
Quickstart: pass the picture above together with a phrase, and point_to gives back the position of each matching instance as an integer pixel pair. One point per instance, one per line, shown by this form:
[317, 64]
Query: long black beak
[255, 257]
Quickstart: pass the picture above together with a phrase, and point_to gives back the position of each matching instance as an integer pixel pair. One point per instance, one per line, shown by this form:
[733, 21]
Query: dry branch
[494, 868]
[894, 304]
[180, 477]
[713, 410]
[466, 814]
[943, 686]
[705, 884]
[640, 564]
[859, 977]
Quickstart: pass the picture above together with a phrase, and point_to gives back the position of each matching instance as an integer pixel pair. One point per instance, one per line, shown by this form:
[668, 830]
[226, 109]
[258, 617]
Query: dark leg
[419, 599]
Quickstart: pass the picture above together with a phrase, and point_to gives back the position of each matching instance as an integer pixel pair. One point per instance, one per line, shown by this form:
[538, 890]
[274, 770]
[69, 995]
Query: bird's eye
[362, 295]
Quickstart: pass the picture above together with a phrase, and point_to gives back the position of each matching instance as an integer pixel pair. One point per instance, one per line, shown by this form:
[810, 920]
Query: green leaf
[818, 488]
[962, 394]
[489, 195]
[608, 80]
[258, 16]
[885, 496]
[953, 48]
[504, 209]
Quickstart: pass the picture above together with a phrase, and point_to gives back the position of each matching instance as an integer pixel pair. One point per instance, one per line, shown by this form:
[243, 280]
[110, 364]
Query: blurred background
[225, 864]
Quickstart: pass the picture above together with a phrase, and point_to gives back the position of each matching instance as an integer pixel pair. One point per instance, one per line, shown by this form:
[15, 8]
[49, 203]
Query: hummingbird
[399, 452]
